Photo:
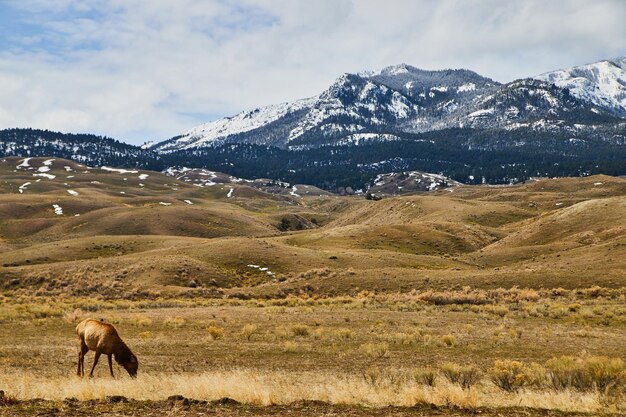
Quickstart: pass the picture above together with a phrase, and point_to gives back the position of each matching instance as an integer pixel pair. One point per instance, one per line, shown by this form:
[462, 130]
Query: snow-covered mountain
[351, 105]
[400, 119]
[402, 100]
[602, 83]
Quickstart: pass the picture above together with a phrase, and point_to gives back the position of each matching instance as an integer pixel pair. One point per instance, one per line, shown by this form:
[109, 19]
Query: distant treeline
[466, 155]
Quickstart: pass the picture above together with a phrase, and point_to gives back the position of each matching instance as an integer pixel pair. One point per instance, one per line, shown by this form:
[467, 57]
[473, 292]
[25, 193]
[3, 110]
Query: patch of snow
[143, 176]
[481, 113]
[24, 163]
[262, 269]
[466, 87]
[358, 138]
[230, 193]
[164, 204]
[68, 168]
[72, 192]
[58, 210]
[49, 176]
[118, 170]
[48, 162]
[597, 183]
[43, 169]
[187, 201]
[293, 192]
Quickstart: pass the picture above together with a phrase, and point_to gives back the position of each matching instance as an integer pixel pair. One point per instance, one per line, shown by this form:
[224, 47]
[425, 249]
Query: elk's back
[98, 336]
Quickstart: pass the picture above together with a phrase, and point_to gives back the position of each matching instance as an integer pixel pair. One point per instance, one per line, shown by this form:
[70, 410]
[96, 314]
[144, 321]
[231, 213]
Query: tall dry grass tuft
[586, 373]
[215, 332]
[249, 330]
[464, 375]
[285, 387]
[300, 330]
[375, 350]
[174, 321]
[514, 375]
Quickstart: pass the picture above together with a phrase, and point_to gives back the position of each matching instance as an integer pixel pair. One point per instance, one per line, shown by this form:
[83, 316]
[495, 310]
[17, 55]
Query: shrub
[300, 330]
[249, 330]
[513, 375]
[464, 375]
[425, 376]
[147, 321]
[384, 377]
[215, 332]
[575, 307]
[344, 333]
[145, 335]
[448, 340]
[376, 350]
[498, 310]
[585, 373]
[290, 347]
[373, 375]
[403, 338]
[174, 321]
[606, 373]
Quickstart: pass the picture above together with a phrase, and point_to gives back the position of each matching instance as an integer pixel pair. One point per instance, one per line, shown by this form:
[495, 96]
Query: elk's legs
[95, 362]
[110, 365]
[81, 359]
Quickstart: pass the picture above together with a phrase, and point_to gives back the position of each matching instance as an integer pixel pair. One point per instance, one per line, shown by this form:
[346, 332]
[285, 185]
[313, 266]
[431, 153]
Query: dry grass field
[473, 299]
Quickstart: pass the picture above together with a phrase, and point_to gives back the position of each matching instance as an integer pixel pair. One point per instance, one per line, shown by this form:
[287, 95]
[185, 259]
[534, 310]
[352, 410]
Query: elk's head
[131, 365]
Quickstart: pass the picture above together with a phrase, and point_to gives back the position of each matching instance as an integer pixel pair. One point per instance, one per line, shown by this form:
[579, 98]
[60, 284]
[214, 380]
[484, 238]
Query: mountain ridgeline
[473, 129]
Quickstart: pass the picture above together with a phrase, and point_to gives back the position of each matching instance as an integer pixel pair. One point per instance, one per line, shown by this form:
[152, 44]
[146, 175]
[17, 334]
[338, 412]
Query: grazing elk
[102, 338]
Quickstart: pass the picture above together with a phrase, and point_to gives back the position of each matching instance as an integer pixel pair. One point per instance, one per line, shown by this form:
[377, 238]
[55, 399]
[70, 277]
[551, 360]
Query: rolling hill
[139, 233]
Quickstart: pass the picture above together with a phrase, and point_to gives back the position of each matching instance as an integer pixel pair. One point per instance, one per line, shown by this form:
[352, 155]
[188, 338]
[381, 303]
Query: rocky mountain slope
[601, 83]
[400, 100]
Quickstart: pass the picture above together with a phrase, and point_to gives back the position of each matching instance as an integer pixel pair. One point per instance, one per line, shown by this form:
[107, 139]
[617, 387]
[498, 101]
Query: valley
[276, 295]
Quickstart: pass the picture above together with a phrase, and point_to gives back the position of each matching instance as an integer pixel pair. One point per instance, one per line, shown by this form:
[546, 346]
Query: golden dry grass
[285, 387]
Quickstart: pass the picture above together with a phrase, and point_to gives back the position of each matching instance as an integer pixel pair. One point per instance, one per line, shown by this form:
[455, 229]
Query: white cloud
[147, 69]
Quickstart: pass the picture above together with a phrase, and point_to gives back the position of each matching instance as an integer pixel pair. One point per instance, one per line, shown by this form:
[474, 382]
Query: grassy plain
[313, 305]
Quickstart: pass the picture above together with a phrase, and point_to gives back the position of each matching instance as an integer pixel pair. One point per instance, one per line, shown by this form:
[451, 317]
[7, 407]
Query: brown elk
[102, 338]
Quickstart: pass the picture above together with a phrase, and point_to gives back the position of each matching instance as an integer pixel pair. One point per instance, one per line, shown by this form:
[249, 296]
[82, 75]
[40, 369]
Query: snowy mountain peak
[602, 83]
[397, 69]
[402, 100]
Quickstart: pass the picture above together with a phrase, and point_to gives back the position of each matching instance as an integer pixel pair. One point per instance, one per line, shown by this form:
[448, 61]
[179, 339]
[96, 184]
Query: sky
[140, 70]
